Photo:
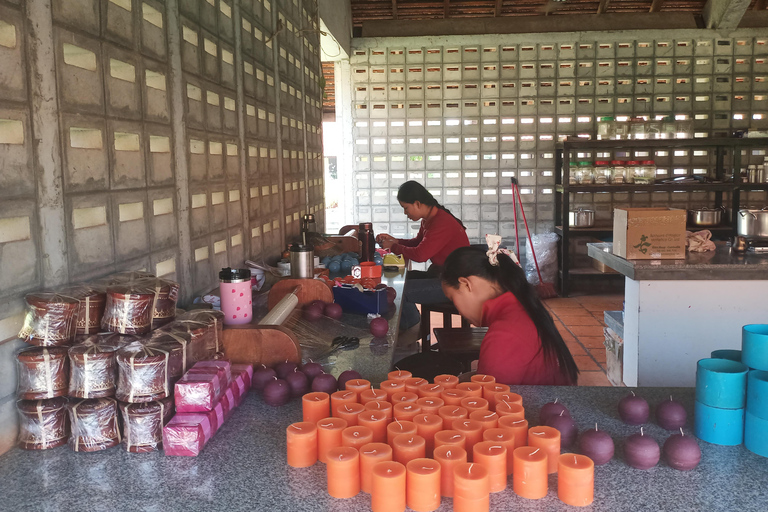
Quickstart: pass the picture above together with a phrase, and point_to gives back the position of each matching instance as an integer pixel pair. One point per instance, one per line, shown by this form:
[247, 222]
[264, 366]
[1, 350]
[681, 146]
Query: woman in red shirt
[439, 235]
[522, 345]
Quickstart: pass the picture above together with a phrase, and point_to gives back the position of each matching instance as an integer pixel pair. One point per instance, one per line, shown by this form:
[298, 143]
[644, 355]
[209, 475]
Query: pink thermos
[235, 290]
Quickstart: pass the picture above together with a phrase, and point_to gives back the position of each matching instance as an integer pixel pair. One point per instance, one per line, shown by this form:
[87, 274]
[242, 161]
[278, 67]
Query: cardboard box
[649, 233]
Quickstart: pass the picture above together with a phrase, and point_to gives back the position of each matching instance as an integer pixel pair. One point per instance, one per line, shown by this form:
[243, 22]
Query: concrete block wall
[463, 114]
[176, 136]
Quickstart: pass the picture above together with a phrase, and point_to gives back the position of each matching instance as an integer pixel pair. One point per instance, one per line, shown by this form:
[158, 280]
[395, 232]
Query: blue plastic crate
[353, 300]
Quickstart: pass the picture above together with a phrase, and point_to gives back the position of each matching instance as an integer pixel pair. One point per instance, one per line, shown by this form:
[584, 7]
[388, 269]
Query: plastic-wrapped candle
[597, 445]
[641, 451]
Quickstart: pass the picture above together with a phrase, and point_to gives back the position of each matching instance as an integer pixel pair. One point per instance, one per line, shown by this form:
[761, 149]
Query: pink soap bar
[247, 368]
[217, 364]
[186, 434]
[242, 386]
[197, 392]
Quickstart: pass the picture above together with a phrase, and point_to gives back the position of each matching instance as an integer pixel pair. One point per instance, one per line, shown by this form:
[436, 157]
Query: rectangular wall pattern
[462, 115]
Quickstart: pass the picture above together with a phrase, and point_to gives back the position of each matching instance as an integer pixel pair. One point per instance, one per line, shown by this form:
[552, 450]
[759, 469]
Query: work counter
[243, 468]
[678, 311]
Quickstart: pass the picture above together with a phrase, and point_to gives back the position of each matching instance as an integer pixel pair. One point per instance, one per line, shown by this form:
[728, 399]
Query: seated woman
[522, 345]
[440, 233]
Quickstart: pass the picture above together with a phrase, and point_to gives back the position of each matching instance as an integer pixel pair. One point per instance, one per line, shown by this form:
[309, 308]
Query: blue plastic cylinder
[754, 346]
[727, 353]
[721, 383]
[719, 426]
[757, 394]
[755, 434]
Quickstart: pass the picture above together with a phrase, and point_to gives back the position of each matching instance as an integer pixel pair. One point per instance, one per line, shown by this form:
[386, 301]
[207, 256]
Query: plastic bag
[91, 309]
[166, 293]
[215, 322]
[180, 357]
[197, 392]
[142, 373]
[50, 319]
[94, 425]
[92, 369]
[201, 341]
[143, 425]
[129, 308]
[43, 424]
[545, 246]
[186, 434]
[43, 373]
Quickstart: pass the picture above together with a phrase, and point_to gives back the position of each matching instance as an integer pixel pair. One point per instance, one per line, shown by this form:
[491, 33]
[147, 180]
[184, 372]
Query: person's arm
[430, 244]
[411, 242]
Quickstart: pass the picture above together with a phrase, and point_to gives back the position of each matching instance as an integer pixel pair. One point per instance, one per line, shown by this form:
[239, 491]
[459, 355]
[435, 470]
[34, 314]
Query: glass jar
[621, 130]
[572, 172]
[684, 129]
[643, 172]
[653, 129]
[605, 128]
[602, 172]
[619, 173]
[668, 128]
[585, 174]
[637, 129]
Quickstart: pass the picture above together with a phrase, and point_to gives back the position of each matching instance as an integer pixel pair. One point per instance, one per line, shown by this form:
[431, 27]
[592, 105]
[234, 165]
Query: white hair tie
[494, 249]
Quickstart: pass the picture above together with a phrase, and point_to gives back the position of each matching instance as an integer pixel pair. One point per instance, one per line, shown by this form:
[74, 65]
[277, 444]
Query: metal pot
[705, 217]
[581, 218]
[752, 223]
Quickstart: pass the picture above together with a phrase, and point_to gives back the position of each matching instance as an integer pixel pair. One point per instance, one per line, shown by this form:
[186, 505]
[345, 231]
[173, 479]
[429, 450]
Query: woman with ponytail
[439, 235]
[522, 345]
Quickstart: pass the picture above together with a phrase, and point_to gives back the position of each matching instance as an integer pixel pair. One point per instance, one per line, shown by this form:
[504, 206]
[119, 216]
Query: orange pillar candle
[529, 472]
[433, 390]
[449, 457]
[472, 430]
[358, 385]
[453, 396]
[450, 413]
[512, 398]
[502, 437]
[343, 470]
[483, 379]
[399, 375]
[356, 437]
[427, 425]
[377, 422]
[404, 396]
[342, 397]
[430, 405]
[328, 435]
[380, 405]
[388, 487]
[370, 395]
[548, 439]
[398, 427]
[447, 381]
[472, 388]
[315, 406]
[493, 457]
[451, 438]
[406, 411]
[407, 447]
[349, 412]
[471, 488]
[413, 384]
[370, 455]
[490, 390]
[473, 403]
[390, 387]
[505, 408]
[575, 480]
[518, 428]
[422, 485]
[488, 419]
[301, 441]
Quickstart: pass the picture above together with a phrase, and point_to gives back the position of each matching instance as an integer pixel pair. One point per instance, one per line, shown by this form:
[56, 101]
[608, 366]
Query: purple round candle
[641, 451]
[312, 370]
[261, 377]
[552, 409]
[567, 427]
[324, 382]
[283, 369]
[682, 452]
[633, 410]
[671, 415]
[597, 445]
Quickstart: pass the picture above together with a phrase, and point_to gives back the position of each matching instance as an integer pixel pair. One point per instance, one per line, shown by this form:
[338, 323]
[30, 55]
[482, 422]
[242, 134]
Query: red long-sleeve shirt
[511, 350]
[437, 238]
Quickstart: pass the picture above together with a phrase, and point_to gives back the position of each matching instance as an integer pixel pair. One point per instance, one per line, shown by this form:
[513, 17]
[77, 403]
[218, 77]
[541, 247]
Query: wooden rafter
[394, 9]
[656, 5]
[761, 5]
[497, 9]
[446, 8]
[603, 6]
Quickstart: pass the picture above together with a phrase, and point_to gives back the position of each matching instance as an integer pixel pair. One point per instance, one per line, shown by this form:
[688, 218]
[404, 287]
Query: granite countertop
[720, 264]
[243, 468]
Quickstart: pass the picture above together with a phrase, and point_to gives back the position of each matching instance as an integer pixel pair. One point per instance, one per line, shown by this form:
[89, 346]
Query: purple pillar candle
[671, 415]
[633, 409]
[682, 452]
[552, 409]
[641, 451]
[597, 445]
[567, 427]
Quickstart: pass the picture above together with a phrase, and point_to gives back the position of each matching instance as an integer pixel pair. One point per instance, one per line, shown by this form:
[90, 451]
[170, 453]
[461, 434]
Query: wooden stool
[462, 344]
[448, 310]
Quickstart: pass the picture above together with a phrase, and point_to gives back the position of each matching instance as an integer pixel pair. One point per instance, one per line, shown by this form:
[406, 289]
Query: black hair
[473, 261]
[412, 191]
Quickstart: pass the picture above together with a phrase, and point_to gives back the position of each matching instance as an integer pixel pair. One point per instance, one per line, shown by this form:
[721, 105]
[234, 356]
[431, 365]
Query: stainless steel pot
[705, 217]
[752, 223]
[581, 218]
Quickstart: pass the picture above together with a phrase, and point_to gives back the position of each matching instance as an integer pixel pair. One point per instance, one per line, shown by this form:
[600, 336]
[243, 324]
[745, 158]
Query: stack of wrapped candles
[410, 442]
[732, 393]
[205, 398]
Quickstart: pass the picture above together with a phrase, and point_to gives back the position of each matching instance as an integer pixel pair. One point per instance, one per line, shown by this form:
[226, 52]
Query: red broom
[545, 290]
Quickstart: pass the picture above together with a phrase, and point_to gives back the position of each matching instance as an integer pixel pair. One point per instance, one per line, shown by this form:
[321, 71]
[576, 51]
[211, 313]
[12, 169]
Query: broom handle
[530, 240]
[514, 211]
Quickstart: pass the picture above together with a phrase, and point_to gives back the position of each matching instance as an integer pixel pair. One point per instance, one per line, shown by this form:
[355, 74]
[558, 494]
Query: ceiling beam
[760, 5]
[394, 9]
[603, 6]
[446, 8]
[724, 14]
[656, 5]
[497, 9]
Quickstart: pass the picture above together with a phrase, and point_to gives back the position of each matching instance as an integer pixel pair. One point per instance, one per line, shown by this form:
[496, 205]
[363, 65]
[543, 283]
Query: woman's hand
[388, 243]
[383, 237]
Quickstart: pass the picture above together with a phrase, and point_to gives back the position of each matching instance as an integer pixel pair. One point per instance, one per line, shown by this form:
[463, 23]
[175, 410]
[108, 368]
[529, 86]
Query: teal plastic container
[726, 353]
[754, 346]
[757, 395]
[721, 383]
[756, 434]
[719, 426]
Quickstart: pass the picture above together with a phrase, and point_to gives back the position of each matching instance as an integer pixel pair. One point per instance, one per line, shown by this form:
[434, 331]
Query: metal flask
[302, 262]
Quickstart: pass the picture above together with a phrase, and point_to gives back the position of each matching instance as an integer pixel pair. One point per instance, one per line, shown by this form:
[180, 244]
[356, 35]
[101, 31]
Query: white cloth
[494, 248]
[699, 241]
